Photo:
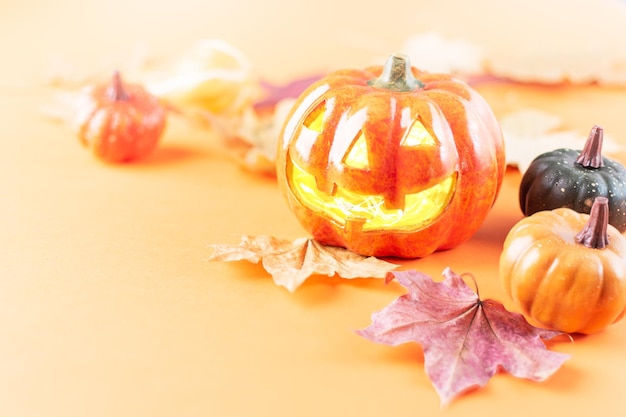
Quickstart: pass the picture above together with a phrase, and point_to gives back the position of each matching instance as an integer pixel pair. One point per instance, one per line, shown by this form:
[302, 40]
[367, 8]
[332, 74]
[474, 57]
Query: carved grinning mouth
[369, 211]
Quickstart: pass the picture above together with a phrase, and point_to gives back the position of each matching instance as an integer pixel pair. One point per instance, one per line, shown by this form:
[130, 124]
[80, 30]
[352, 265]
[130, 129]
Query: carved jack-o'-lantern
[391, 161]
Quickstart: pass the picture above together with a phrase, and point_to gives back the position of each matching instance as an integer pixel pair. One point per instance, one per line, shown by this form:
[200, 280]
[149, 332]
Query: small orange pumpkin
[120, 122]
[391, 161]
[567, 270]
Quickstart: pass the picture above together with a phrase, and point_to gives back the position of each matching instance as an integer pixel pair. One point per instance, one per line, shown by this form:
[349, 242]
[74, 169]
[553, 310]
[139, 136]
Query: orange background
[108, 306]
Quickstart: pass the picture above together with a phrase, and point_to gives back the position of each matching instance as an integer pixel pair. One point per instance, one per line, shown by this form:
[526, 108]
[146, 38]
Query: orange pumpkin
[120, 122]
[391, 161]
[567, 270]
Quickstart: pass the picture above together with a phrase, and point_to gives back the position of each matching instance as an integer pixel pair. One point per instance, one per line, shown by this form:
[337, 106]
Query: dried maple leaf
[567, 54]
[433, 52]
[291, 262]
[529, 133]
[465, 340]
[260, 133]
[556, 50]
[212, 75]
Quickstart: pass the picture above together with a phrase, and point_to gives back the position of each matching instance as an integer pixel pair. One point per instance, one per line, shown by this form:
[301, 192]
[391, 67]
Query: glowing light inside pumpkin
[418, 135]
[370, 211]
[357, 156]
[315, 119]
[345, 206]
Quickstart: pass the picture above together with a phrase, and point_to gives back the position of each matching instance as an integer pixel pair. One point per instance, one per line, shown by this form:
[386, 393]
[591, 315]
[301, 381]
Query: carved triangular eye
[418, 135]
[357, 156]
[315, 119]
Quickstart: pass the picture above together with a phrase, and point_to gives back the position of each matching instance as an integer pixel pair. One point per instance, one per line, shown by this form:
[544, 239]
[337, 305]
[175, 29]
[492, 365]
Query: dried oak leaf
[465, 340]
[291, 262]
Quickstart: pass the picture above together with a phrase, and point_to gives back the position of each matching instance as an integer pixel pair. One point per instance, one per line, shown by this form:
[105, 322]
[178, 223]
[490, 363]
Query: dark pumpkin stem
[397, 75]
[116, 91]
[594, 235]
[591, 155]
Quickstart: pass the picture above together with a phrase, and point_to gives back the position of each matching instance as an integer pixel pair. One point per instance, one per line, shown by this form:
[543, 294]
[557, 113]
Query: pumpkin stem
[397, 75]
[116, 91]
[594, 235]
[591, 155]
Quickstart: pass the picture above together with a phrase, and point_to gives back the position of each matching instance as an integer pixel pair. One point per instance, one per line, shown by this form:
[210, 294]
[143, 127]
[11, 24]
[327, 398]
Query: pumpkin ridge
[593, 292]
[559, 283]
[537, 306]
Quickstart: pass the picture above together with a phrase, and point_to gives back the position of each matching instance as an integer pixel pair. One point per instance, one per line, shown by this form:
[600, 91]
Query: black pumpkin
[573, 179]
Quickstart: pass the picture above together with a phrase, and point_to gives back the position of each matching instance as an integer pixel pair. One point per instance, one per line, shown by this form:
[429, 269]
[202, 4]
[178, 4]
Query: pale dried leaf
[545, 42]
[528, 133]
[433, 52]
[211, 76]
[63, 107]
[258, 161]
[584, 46]
[291, 262]
[60, 72]
[262, 132]
[211, 82]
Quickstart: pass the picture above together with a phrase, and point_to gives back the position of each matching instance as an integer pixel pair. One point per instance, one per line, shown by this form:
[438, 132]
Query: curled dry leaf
[530, 132]
[212, 76]
[291, 262]
[211, 80]
[254, 136]
[465, 340]
[257, 134]
[579, 46]
[433, 52]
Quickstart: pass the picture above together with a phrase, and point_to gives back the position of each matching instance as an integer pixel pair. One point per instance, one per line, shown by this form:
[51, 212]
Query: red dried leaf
[465, 340]
[291, 263]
